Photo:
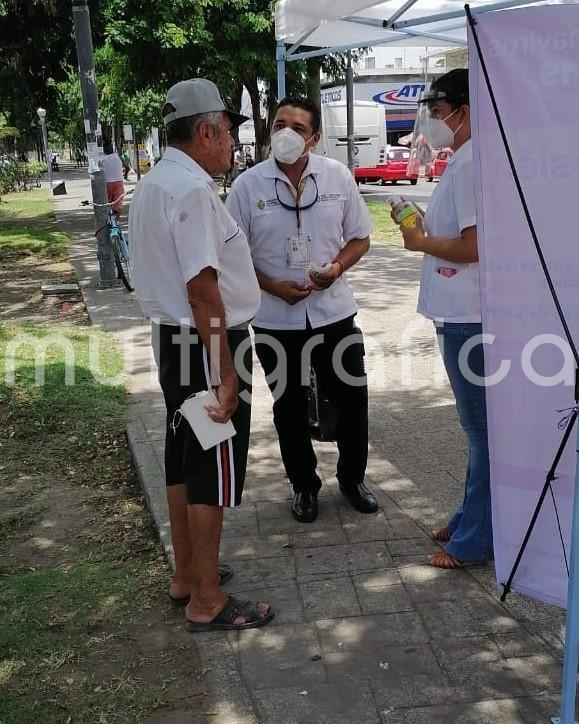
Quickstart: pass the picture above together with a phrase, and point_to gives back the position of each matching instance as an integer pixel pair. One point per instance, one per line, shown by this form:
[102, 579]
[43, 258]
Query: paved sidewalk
[365, 632]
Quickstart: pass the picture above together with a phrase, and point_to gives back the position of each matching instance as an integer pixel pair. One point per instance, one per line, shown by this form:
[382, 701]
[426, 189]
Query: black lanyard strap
[297, 208]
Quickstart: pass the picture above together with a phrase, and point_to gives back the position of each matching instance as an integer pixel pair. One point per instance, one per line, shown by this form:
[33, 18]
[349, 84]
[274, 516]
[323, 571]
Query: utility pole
[84, 51]
[350, 114]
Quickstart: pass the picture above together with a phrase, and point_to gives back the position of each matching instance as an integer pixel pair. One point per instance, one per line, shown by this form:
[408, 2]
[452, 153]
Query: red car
[393, 170]
[438, 165]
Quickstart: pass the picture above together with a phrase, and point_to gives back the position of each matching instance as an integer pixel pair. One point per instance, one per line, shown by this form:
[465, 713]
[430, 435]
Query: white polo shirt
[112, 167]
[450, 290]
[338, 216]
[178, 226]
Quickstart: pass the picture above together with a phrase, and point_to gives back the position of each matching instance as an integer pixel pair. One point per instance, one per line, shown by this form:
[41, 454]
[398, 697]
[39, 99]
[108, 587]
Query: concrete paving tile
[281, 656]
[427, 584]
[371, 633]
[527, 609]
[353, 558]
[476, 668]
[377, 579]
[327, 520]
[318, 704]
[463, 619]
[551, 632]
[386, 667]
[413, 691]
[254, 547]
[229, 694]
[332, 598]
[360, 528]
[507, 711]
[387, 599]
[314, 537]
[266, 572]
[408, 547]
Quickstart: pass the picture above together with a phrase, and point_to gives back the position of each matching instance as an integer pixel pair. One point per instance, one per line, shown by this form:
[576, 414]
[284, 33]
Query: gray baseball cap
[194, 96]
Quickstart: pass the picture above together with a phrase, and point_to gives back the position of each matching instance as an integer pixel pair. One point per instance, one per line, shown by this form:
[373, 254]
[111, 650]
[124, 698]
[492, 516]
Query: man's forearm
[265, 282]
[352, 253]
[209, 315]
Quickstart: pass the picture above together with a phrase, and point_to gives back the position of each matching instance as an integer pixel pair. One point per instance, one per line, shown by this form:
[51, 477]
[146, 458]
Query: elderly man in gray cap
[194, 279]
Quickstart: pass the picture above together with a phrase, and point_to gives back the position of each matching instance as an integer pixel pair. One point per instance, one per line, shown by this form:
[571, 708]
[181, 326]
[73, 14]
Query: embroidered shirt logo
[261, 204]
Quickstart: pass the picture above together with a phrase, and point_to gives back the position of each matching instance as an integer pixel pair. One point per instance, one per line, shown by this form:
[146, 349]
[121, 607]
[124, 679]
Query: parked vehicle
[369, 133]
[392, 169]
[438, 165]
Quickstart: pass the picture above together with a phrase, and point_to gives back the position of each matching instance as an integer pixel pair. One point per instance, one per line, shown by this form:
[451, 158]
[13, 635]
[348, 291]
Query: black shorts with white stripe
[215, 476]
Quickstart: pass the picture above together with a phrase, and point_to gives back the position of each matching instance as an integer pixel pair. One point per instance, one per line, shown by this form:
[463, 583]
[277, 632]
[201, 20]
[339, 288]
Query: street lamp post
[42, 116]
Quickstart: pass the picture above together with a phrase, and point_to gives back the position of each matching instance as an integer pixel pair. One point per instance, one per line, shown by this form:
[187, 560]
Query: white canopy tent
[331, 26]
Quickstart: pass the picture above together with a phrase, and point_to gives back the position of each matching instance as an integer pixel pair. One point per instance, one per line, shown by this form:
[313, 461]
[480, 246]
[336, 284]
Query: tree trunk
[314, 66]
[236, 106]
[261, 140]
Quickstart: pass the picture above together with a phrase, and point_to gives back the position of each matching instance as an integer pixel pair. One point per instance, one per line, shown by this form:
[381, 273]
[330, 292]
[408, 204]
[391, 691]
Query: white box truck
[369, 133]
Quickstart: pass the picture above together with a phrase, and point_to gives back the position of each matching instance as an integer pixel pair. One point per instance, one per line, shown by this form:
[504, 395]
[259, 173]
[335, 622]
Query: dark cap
[195, 96]
[451, 87]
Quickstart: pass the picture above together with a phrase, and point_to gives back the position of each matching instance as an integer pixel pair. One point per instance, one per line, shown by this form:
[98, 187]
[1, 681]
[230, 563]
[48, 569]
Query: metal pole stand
[569, 692]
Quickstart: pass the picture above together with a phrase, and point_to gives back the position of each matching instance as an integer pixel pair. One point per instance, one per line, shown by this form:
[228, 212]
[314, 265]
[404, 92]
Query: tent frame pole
[280, 57]
[569, 690]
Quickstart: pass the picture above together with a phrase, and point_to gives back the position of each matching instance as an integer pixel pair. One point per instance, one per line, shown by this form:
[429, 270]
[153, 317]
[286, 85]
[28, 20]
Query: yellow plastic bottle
[404, 211]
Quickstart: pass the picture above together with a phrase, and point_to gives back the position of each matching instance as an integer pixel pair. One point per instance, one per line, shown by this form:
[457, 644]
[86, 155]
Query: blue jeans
[471, 525]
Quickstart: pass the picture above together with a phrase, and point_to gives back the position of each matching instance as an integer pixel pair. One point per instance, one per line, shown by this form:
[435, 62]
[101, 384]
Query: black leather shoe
[361, 498]
[305, 507]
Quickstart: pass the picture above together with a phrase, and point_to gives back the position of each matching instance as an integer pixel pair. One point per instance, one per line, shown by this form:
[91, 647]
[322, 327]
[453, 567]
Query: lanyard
[297, 208]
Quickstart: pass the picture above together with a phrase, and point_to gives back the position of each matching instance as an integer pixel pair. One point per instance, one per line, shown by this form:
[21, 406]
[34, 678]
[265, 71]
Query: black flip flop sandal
[225, 575]
[224, 620]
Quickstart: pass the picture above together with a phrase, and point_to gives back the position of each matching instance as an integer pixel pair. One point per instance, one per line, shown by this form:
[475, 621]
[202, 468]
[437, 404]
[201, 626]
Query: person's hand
[414, 237]
[325, 278]
[227, 394]
[292, 292]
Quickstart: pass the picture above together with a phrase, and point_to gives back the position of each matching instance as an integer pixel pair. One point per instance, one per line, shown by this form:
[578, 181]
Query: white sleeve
[357, 222]
[463, 195]
[238, 208]
[197, 232]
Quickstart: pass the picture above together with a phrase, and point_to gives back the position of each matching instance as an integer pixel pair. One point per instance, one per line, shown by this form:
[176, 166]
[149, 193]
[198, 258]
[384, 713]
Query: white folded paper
[208, 432]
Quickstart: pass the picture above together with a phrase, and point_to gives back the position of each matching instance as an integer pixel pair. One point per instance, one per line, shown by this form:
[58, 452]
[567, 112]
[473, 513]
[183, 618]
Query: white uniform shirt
[338, 216]
[178, 226]
[113, 167]
[450, 290]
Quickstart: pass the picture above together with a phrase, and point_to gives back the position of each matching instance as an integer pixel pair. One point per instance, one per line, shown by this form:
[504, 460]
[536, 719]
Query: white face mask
[438, 134]
[287, 145]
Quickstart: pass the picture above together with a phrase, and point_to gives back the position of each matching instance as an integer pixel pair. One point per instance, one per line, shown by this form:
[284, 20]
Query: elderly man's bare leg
[209, 607]
[178, 517]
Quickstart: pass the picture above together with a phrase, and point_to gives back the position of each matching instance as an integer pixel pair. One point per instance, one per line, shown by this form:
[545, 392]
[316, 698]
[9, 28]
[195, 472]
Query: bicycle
[119, 244]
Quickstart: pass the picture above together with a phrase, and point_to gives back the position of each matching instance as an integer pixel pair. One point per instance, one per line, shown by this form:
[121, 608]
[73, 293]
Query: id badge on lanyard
[298, 251]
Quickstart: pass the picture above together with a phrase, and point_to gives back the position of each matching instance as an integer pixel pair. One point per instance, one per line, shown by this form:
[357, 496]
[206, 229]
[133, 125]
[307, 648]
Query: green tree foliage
[141, 48]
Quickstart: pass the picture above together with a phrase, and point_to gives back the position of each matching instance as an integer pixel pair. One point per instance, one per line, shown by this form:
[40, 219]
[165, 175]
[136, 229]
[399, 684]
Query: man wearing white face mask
[306, 225]
[450, 296]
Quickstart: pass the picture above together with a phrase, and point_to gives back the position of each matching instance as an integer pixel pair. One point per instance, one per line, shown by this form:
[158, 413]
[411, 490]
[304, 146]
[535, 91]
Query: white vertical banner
[532, 57]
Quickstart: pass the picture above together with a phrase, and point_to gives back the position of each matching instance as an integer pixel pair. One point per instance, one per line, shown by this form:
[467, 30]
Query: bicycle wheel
[122, 262]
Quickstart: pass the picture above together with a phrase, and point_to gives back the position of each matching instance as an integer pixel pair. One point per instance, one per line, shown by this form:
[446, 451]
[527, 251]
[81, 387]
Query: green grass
[37, 364]
[28, 226]
[385, 230]
[45, 620]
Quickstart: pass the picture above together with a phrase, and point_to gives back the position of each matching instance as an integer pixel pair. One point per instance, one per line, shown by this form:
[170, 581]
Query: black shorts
[215, 476]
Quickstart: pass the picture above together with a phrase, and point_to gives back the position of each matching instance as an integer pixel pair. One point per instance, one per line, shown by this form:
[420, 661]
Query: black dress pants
[336, 353]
